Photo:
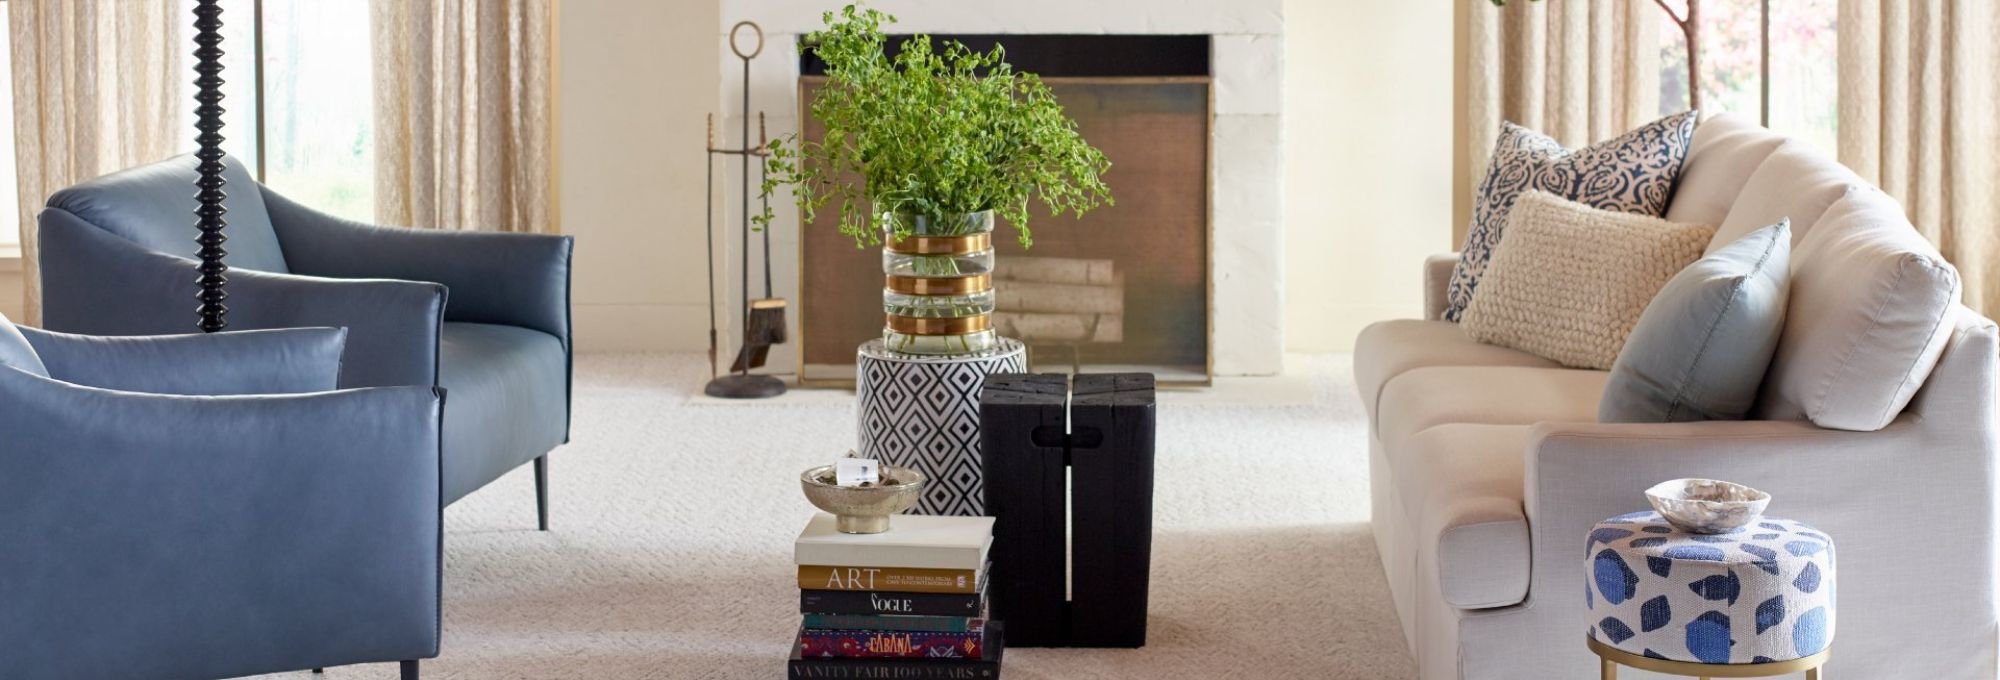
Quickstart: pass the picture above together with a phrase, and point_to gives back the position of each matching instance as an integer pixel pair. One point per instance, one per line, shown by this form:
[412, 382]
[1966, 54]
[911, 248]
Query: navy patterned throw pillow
[1633, 173]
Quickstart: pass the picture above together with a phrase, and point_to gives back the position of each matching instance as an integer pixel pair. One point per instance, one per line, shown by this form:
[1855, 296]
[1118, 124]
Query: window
[1803, 76]
[319, 129]
[316, 133]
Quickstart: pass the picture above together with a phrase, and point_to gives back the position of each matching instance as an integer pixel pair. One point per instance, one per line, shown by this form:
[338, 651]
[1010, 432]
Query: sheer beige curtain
[462, 113]
[1918, 109]
[95, 83]
[1577, 71]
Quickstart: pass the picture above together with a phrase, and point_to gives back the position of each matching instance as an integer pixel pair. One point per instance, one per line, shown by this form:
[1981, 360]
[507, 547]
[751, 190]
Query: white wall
[1368, 123]
[635, 81]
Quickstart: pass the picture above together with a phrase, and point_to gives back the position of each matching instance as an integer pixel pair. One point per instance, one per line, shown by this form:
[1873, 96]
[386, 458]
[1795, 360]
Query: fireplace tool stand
[763, 318]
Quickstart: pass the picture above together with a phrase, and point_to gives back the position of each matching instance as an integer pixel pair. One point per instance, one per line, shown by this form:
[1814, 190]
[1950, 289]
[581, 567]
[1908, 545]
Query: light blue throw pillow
[1700, 349]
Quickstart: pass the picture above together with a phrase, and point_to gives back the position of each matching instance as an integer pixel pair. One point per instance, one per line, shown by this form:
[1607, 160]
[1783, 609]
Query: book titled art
[889, 579]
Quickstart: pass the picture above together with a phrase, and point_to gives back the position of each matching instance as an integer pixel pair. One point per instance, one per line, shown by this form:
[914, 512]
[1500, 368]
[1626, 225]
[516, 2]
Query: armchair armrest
[172, 536]
[286, 361]
[498, 278]
[96, 283]
[1437, 279]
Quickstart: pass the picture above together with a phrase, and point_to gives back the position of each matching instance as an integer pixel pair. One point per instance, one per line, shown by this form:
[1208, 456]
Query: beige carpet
[674, 516]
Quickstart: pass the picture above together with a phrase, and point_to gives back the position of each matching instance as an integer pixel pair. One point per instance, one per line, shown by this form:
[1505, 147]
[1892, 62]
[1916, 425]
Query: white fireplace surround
[1247, 165]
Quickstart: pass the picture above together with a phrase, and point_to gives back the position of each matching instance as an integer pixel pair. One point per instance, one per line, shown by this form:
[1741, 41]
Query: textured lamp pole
[209, 208]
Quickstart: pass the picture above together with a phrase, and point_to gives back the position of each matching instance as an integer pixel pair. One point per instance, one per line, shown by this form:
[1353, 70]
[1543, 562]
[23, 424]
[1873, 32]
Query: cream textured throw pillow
[1569, 281]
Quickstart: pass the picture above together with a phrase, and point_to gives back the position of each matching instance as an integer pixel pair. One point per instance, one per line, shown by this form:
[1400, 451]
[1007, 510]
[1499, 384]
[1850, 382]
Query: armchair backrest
[153, 206]
[15, 352]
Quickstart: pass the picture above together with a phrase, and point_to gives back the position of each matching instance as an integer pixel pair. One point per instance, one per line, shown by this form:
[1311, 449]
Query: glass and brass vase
[938, 293]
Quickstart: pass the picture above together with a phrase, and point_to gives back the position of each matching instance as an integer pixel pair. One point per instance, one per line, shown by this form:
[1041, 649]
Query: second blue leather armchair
[483, 315]
[206, 506]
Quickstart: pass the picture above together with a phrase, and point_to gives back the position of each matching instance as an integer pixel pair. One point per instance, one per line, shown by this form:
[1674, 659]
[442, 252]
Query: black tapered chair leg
[542, 491]
[410, 670]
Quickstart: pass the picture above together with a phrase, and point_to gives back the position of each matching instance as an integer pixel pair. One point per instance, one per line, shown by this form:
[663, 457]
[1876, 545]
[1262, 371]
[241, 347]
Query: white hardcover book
[912, 542]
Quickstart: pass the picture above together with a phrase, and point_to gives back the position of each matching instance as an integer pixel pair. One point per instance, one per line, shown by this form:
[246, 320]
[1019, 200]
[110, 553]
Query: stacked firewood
[1059, 300]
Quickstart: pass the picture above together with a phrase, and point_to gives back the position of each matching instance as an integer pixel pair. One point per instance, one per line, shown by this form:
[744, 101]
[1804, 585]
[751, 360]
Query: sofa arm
[1437, 279]
[283, 361]
[171, 536]
[1579, 473]
[498, 278]
[1868, 490]
[95, 283]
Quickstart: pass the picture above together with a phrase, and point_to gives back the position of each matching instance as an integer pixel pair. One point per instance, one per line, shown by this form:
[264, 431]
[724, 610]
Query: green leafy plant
[937, 132]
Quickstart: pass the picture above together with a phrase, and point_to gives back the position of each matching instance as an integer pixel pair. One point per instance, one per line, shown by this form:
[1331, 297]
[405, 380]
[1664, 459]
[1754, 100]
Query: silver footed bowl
[863, 509]
[1707, 506]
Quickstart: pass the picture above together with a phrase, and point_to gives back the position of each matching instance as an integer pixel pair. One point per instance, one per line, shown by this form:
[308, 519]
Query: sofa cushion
[1461, 488]
[1571, 280]
[1872, 304]
[1796, 182]
[505, 388]
[1701, 348]
[1387, 349]
[1634, 172]
[1492, 395]
[1727, 149]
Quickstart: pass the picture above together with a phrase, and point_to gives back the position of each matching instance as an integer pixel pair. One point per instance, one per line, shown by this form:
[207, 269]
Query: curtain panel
[94, 91]
[1918, 109]
[463, 99]
[1580, 72]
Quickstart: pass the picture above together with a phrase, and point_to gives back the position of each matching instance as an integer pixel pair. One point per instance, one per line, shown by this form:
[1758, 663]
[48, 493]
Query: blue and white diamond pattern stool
[1755, 602]
[921, 411]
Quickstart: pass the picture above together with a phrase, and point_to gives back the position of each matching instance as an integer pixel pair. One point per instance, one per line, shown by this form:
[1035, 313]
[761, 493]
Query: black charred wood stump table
[1069, 481]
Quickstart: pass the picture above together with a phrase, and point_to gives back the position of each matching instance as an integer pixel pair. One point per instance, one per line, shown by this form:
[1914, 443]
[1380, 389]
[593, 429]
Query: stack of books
[909, 603]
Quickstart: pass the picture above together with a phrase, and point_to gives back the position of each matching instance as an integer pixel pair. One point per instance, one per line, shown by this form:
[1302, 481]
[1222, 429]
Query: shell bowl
[1707, 506]
[863, 509]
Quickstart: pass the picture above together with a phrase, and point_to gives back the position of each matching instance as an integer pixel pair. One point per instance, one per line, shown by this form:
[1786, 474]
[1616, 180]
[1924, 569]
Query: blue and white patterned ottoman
[1760, 594]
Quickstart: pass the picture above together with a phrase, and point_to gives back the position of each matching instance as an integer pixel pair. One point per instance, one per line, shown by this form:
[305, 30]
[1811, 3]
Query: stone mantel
[1248, 163]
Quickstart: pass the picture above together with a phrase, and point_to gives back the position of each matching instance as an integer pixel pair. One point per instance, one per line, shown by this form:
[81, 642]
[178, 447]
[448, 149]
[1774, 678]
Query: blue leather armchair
[208, 506]
[117, 259]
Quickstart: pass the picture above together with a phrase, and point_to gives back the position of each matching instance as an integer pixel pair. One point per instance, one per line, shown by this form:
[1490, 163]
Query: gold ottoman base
[1613, 657]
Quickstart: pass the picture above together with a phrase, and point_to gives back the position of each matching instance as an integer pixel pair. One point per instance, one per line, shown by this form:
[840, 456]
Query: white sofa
[1488, 469]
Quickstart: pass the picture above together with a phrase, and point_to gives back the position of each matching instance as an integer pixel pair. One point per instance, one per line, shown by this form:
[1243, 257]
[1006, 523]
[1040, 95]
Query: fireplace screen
[1124, 288]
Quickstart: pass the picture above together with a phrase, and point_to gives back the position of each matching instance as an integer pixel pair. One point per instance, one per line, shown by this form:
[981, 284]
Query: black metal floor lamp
[209, 209]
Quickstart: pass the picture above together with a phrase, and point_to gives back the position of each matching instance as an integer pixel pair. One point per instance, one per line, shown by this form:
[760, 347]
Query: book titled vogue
[910, 604]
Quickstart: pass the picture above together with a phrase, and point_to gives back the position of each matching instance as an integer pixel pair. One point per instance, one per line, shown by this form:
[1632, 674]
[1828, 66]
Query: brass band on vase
[938, 289]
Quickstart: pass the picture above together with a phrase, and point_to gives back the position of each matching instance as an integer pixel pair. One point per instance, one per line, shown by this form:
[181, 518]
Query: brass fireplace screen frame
[1176, 375]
